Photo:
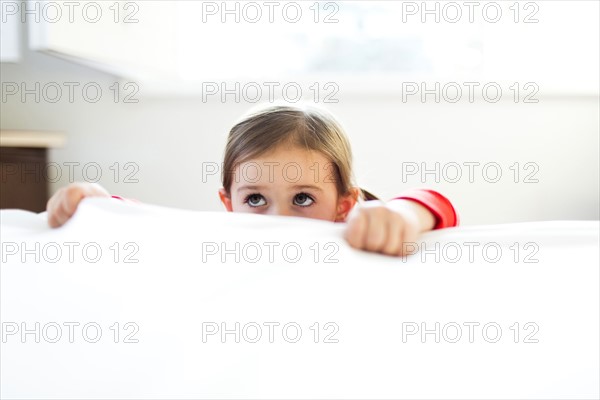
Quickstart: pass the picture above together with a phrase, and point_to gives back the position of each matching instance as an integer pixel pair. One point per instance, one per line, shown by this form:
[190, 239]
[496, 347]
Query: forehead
[286, 164]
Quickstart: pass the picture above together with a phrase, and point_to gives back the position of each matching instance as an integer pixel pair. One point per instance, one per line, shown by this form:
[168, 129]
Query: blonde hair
[307, 127]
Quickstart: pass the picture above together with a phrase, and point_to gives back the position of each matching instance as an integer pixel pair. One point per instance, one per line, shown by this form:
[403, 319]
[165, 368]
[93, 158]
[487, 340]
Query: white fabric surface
[171, 292]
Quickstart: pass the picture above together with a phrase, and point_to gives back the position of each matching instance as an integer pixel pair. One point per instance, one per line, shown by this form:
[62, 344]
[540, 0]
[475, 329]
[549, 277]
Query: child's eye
[255, 200]
[303, 200]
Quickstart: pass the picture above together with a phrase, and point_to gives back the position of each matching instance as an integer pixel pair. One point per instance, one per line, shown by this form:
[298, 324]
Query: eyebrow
[296, 187]
[302, 187]
[250, 187]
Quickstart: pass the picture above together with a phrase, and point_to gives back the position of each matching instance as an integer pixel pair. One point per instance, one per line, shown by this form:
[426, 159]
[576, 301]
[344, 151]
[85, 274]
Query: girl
[285, 160]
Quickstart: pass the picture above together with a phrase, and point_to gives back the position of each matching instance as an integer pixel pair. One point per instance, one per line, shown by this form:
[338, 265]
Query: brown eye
[255, 200]
[303, 200]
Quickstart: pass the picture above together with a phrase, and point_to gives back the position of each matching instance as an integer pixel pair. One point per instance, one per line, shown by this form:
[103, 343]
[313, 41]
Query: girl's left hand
[387, 228]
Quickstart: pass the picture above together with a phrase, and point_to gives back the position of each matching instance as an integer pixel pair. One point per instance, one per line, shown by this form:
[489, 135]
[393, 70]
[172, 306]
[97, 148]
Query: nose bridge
[282, 209]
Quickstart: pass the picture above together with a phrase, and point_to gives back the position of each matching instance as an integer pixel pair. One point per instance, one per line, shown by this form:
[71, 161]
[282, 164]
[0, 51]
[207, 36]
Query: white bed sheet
[176, 291]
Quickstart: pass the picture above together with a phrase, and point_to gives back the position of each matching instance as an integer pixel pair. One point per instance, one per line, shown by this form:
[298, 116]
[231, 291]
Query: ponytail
[367, 196]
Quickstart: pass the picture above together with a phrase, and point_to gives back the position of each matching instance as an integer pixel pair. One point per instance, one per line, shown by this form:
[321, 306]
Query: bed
[140, 301]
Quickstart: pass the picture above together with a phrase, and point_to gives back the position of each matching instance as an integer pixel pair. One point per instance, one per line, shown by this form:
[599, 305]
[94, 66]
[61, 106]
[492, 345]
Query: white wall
[170, 138]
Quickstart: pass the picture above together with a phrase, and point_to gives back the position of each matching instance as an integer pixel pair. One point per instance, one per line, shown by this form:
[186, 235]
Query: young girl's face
[289, 181]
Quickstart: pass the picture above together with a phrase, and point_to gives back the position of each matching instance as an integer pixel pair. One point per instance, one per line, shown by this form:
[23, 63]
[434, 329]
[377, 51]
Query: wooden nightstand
[24, 171]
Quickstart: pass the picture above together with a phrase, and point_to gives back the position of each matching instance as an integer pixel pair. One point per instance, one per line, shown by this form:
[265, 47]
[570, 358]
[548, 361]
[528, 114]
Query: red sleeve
[441, 208]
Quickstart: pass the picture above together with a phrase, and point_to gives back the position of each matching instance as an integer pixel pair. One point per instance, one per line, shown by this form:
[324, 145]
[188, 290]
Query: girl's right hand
[62, 204]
